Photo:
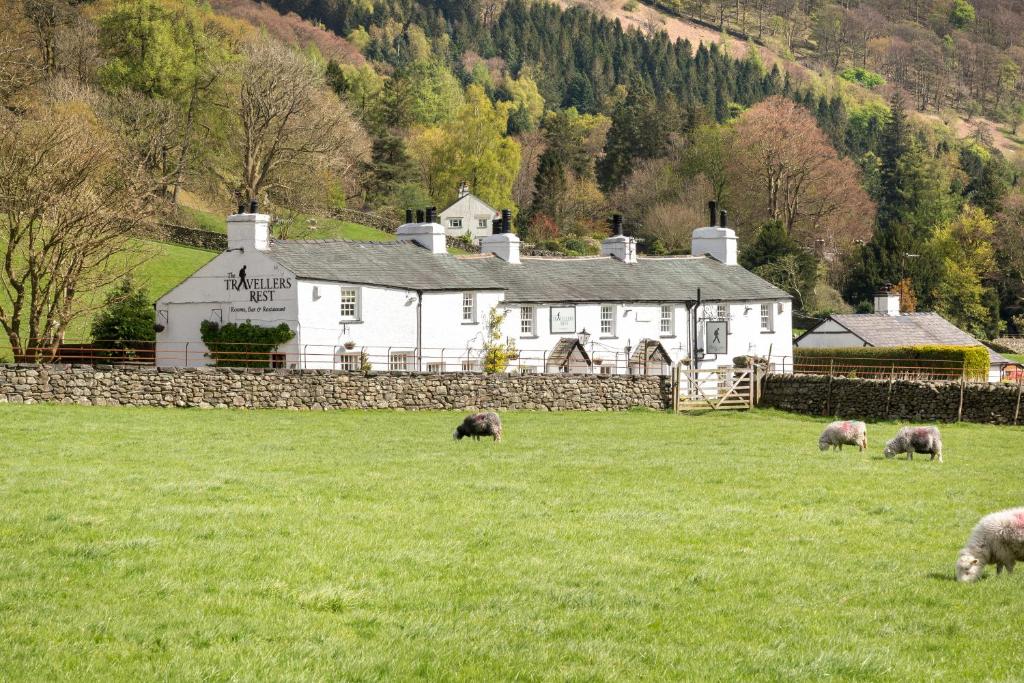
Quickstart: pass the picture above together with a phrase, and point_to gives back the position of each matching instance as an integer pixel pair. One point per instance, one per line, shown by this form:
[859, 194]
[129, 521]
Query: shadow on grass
[941, 576]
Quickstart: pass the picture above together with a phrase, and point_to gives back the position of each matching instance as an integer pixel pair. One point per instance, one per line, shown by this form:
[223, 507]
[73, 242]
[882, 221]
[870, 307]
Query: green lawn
[264, 545]
[1019, 357]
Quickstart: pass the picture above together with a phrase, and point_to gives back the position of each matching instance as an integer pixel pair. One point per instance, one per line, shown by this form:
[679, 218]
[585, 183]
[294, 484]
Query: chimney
[503, 243]
[249, 231]
[887, 301]
[429, 234]
[716, 241]
[619, 245]
[408, 215]
[463, 189]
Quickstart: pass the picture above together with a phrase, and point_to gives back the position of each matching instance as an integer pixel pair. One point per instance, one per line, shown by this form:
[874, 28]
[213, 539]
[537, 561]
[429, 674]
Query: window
[606, 369]
[608, 320]
[667, 319]
[527, 321]
[723, 311]
[277, 360]
[527, 370]
[349, 304]
[766, 317]
[435, 367]
[469, 307]
[401, 362]
[454, 222]
[482, 223]
[348, 362]
[469, 366]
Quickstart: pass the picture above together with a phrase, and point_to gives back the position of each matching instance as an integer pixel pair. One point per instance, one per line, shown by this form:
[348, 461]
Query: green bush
[243, 344]
[126, 320]
[934, 361]
[861, 76]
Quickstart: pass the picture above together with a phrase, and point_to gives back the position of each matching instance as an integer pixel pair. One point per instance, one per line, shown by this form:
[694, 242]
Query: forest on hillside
[121, 113]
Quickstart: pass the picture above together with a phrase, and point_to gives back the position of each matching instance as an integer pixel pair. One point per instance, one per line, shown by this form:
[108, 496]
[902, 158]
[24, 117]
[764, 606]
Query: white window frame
[606, 369]
[608, 322]
[402, 361]
[455, 223]
[528, 321]
[481, 223]
[468, 308]
[349, 297]
[470, 366]
[767, 318]
[348, 361]
[435, 368]
[667, 325]
[723, 311]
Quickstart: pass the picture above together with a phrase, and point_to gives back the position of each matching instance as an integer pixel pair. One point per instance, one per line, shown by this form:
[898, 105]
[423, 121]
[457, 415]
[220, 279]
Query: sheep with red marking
[480, 424]
[912, 440]
[844, 433]
[998, 538]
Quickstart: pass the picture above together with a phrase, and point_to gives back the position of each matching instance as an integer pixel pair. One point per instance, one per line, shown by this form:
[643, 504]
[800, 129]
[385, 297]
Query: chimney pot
[253, 206]
[241, 208]
[713, 210]
[617, 223]
[506, 221]
[724, 218]
[408, 215]
[419, 215]
[431, 214]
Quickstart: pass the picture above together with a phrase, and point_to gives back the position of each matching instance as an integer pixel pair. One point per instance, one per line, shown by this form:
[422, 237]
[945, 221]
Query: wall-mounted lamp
[584, 336]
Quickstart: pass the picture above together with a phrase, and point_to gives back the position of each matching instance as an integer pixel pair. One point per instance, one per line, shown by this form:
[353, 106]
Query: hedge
[933, 360]
[243, 344]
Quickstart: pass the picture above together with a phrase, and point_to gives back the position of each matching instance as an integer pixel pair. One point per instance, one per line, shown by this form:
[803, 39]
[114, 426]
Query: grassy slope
[370, 546]
[327, 228]
[1019, 357]
[165, 266]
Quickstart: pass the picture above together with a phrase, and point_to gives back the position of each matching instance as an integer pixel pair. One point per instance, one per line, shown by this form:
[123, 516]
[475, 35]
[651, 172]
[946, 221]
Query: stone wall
[1015, 343]
[898, 400]
[325, 390]
[191, 237]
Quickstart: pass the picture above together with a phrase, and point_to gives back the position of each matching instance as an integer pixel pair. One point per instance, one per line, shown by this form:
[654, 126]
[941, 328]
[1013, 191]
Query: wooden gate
[714, 388]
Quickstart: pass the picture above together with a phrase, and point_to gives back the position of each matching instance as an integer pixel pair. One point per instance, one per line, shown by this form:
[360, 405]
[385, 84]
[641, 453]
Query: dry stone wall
[325, 390]
[898, 400]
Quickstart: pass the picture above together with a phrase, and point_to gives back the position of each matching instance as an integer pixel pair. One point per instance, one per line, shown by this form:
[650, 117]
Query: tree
[782, 168]
[964, 295]
[68, 202]
[778, 258]
[497, 354]
[127, 318]
[638, 131]
[296, 139]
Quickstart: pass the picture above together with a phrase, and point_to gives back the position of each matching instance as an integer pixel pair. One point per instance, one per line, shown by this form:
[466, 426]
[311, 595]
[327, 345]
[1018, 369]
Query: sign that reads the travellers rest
[260, 289]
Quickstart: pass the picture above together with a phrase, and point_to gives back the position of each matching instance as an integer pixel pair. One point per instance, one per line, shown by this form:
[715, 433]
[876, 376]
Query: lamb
[912, 440]
[999, 538]
[480, 424]
[844, 432]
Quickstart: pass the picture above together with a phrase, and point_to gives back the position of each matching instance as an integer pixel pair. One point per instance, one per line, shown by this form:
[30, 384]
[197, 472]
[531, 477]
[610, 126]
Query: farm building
[469, 215]
[410, 305]
[887, 326]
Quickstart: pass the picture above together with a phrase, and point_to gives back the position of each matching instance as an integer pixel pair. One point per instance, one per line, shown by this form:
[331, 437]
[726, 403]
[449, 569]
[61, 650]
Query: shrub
[863, 77]
[243, 344]
[943, 361]
[497, 354]
[126, 320]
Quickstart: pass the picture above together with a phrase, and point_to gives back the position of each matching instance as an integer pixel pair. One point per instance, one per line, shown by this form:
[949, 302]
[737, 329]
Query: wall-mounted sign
[716, 336]
[563, 320]
[260, 289]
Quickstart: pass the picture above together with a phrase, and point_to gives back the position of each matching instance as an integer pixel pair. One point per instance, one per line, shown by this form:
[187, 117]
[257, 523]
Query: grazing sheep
[999, 538]
[844, 432]
[912, 440]
[480, 424]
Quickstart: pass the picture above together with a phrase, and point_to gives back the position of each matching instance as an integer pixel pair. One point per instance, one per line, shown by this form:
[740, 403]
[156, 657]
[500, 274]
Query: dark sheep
[480, 424]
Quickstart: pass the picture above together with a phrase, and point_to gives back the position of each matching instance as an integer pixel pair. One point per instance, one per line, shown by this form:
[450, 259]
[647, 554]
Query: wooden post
[828, 396]
[963, 384]
[888, 398]
[1020, 385]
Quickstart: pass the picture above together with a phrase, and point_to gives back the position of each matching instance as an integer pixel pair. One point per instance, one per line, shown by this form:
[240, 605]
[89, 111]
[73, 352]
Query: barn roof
[907, 329]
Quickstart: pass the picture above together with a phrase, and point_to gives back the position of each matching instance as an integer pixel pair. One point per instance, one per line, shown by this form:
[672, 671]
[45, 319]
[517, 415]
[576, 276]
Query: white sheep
[999, 538]
[912, 440]
[844, 432]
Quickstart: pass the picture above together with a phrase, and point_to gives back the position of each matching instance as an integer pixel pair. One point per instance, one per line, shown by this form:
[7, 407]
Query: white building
[469, 215]
[887, 326]
[410, 305]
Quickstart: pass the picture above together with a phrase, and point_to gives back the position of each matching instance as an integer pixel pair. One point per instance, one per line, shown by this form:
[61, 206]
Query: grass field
[327, 228]
[182, 545]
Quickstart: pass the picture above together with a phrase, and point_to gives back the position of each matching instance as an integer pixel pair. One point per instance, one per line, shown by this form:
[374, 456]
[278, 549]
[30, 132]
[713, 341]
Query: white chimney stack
[716, 240]
[429, 235]
[503, 244]
[887, 302]
[620, 246]
[249, 231]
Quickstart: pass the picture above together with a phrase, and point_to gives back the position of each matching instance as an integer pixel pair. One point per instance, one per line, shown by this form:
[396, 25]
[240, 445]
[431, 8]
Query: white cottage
[469, 215]
[409, 305]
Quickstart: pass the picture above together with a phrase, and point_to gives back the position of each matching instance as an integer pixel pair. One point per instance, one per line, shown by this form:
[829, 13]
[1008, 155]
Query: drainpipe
[419, 330]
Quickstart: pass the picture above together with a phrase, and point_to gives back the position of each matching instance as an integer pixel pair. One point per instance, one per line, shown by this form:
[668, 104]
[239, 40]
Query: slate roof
[605, 279]
[877, 329]
[403, 265]
[649, 350]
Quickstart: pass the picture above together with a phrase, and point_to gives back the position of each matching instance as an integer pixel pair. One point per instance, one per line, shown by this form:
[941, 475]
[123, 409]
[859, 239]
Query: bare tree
[67, 207]
[292, 129]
